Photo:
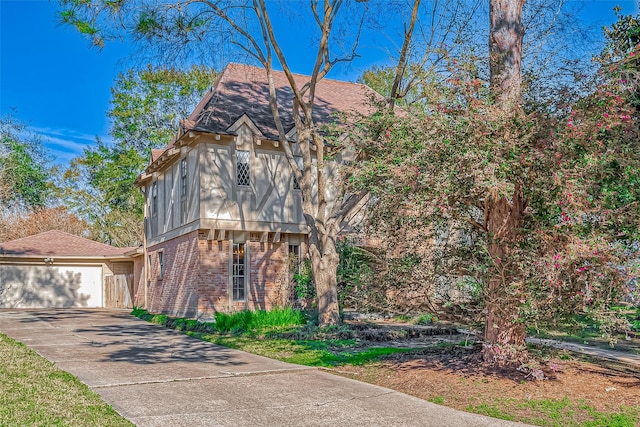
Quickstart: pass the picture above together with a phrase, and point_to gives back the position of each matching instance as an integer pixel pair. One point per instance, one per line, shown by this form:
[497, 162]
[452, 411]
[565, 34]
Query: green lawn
[33, 392]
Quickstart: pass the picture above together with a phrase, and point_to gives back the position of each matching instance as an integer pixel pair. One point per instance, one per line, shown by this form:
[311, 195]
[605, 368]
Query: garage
[57, 269]
[29, 286]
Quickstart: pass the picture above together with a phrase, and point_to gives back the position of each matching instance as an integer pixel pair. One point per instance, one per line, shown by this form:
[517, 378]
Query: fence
[119, 291]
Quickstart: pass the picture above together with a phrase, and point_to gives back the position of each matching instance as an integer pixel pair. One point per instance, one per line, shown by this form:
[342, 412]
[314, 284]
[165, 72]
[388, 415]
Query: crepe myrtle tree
[173, 28]
[544, 206]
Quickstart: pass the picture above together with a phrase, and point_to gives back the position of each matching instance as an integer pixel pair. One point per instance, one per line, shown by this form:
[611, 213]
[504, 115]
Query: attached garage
[57, 269]
[35, 286]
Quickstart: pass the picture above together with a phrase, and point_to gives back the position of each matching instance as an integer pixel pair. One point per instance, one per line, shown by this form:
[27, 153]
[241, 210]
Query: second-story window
[183, 177]
[296, 184]
[243, 167]
[154, 199]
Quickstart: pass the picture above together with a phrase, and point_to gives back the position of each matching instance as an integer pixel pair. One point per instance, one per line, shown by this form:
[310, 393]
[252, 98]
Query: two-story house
[223, 210]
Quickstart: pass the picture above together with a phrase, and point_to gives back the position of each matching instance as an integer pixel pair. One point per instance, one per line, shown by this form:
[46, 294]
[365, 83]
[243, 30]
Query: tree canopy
[436, 177]
[147, 106]
[24, 175]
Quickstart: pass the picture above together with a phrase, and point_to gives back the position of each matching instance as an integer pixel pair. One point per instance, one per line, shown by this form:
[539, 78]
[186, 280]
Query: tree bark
[506, 32]
[504, 336]
[325, 266]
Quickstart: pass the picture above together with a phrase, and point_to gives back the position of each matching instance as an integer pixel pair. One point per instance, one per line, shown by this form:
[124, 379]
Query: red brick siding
[138, 281]
[267, 261]
[196, 277]
[176, 293]
[213, 277]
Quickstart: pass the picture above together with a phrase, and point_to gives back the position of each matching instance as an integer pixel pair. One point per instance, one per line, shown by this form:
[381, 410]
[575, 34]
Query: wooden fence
[118, 291]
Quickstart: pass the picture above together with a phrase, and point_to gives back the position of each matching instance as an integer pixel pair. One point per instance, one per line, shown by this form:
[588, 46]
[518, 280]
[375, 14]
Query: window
[296, 184]
[294, 251]
[154, 199]
[150, 265]
[183, 177]
[243, 164]
[183, 211]
[238, 277]
[161, 264]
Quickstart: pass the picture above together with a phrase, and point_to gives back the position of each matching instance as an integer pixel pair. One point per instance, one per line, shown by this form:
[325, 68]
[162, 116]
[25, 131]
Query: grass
[283, 335]
[280, 334]
[555, 413]
[33, 392]
[584, 330]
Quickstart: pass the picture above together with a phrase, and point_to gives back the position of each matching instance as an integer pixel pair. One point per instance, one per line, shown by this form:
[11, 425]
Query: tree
[147, 105]
[24, 177]
[504, 210]
[41, 220]
[532, 214]
[187, 23]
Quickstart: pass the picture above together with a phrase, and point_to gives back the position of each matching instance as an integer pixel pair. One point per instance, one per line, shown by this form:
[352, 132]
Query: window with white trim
[183, 177]
[298, 160]
[161, 264]
[154, 198]
[294, 251]
[243, 167]
[238, 272]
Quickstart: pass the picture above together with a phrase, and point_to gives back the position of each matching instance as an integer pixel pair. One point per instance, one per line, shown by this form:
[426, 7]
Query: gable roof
[59, 244]
[244, 89]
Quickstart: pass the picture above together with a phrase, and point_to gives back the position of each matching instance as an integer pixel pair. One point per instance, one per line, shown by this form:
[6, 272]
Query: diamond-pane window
[243, 170]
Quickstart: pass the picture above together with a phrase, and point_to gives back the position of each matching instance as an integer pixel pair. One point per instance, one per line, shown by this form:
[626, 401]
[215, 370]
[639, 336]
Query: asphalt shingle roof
[244, 89]
[58, 243]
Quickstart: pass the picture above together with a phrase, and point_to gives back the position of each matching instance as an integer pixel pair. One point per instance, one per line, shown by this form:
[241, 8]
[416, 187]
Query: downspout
[145, 260]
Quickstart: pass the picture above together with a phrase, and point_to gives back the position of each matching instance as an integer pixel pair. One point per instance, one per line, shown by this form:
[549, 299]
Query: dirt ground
[456, 376]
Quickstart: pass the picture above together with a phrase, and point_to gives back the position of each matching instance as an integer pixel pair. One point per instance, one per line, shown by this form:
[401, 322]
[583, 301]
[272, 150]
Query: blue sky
[61, 86]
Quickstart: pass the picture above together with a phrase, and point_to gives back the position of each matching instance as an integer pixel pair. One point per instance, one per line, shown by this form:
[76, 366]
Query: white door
[25, 286]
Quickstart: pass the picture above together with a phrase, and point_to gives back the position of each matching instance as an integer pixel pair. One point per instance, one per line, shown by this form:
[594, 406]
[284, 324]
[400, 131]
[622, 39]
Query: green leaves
[24, 177]
[433, 173]
[147, 105]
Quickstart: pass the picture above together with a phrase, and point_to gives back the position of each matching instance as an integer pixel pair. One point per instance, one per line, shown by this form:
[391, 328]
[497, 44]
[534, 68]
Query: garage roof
[57, 243]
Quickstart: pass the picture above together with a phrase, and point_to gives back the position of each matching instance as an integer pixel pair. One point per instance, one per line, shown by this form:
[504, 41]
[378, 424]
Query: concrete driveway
[157, 377]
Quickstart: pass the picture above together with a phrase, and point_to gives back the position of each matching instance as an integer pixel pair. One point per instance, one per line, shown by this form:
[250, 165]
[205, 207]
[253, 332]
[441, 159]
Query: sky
[51, 79]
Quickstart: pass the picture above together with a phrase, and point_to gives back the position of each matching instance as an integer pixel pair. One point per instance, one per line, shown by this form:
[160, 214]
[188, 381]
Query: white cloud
[66, 144]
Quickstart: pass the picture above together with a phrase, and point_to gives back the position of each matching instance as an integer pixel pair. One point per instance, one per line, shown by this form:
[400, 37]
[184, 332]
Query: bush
[259, 320]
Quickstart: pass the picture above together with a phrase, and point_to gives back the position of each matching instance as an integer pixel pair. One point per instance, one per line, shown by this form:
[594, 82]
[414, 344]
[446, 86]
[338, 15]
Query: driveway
[158, 377]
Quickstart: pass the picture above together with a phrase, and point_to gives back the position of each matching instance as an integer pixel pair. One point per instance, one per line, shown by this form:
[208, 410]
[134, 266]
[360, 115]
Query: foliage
[24, 176]
[58, 218]
[304, 287]
[432, 175]
[266, 333]
[258, 321]
[357, 269]
[34, 392]
[147, 105]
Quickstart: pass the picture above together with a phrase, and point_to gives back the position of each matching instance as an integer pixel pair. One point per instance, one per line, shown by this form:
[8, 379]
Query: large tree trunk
[324, 263]
[504, 336]
[505, 52]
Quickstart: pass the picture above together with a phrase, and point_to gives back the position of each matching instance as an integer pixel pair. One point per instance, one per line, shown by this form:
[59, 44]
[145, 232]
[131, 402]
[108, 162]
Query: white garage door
[26, 286]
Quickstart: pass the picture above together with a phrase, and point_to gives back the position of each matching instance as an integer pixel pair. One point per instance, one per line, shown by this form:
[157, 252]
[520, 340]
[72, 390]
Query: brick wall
[267, 260]
[195, 283]
[138, 281]
[213, 277]
[176, 293]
